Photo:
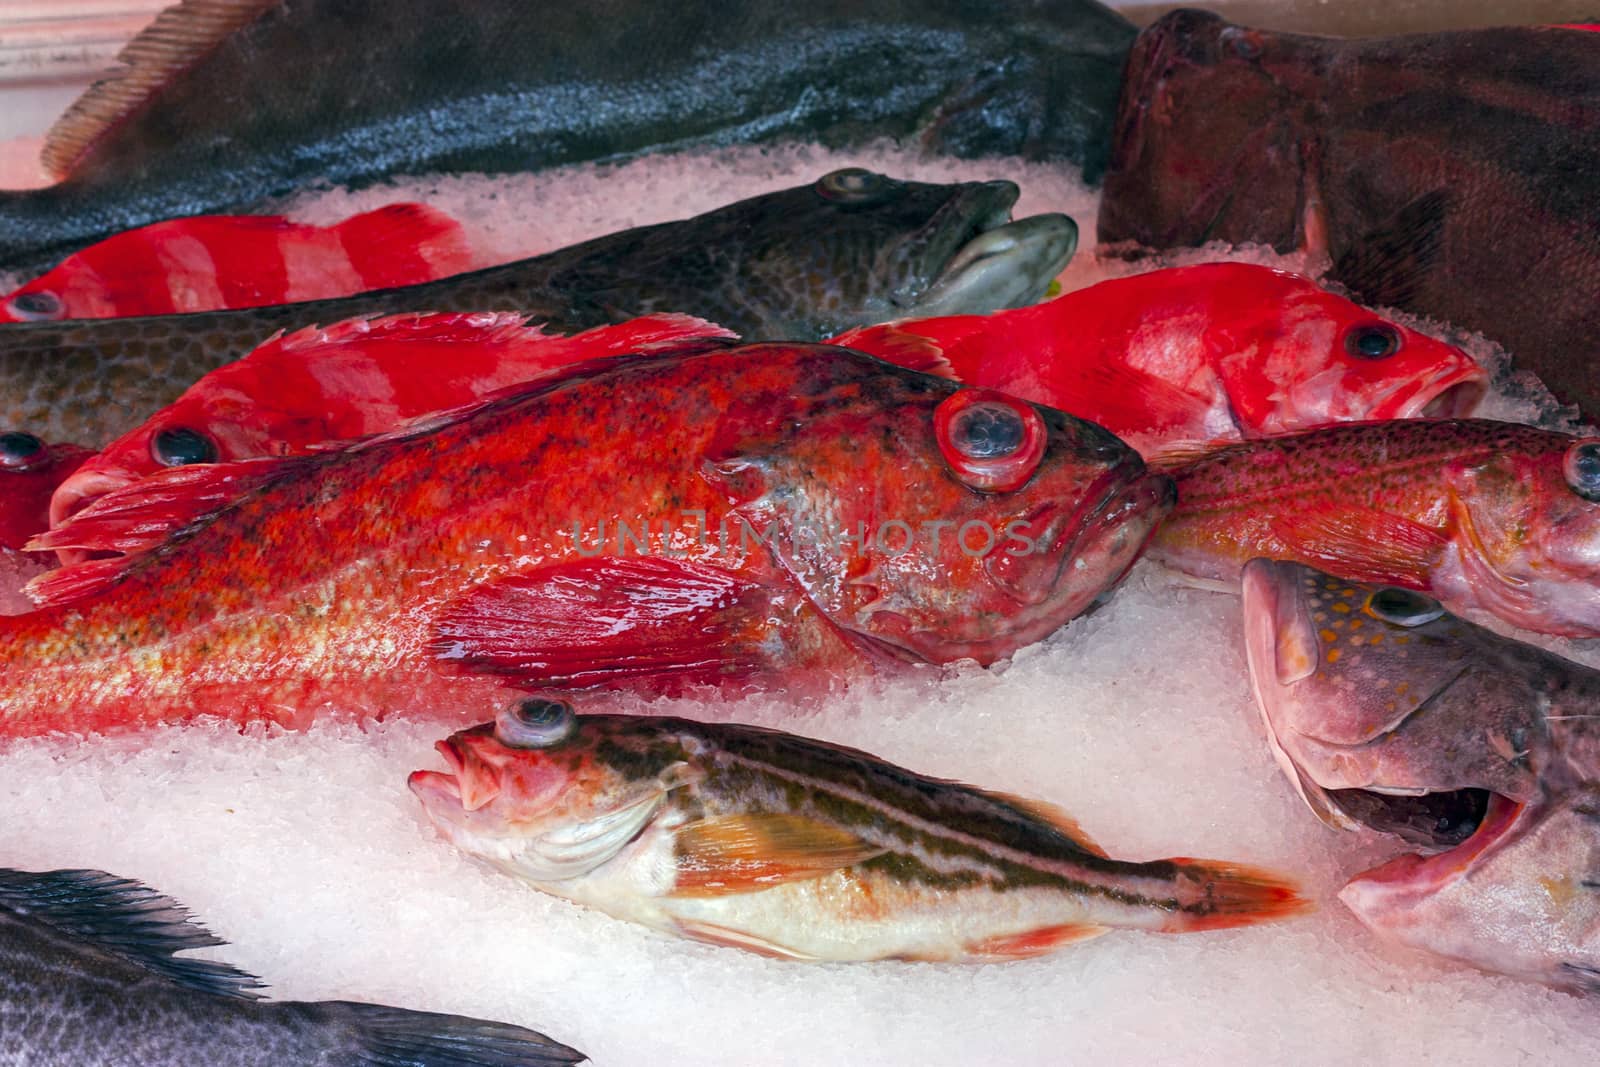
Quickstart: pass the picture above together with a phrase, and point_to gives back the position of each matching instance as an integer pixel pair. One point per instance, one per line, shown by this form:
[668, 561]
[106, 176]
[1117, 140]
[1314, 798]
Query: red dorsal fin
[748, 853]
[175, 41]
[894, 344]
[404, 243]
[591, 622]
[1363, 544]
[144, 515]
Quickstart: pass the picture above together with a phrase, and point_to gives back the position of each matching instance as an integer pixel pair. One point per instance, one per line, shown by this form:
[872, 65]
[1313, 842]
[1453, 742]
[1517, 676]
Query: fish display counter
[920, 574]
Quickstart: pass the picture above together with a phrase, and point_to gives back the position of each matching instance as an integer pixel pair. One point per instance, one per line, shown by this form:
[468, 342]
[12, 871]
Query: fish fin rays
[1216, 895]
[748, 853]
[1126, 398]
[1047, 812]
[726, 937]
[592, 622]
[1363, 544]
[1030, 943]
[126, 919]
[1387, 265]
[173, 42]
[895, 344]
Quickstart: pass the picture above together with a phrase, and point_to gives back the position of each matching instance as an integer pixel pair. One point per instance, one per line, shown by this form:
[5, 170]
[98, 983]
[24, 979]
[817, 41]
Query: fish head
[1525, 517]
[30, 471]
[548, 794]
[1204, 108]
[1294, 356]
[857, 247]
[1419, 725]
[1521, 896]
[930, 520]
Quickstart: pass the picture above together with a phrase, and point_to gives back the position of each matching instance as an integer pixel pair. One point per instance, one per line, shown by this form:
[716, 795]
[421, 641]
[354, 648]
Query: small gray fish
[89, 975]
[1482, 752]
[805, 263]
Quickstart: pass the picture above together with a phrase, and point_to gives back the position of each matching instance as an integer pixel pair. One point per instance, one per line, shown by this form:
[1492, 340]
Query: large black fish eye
[535, 723]
[19, 451]
[987, 431]
[35, 307]
[1375, 340]
[1581, 468]
[1403, 607]
[180, 447]
[853, 185]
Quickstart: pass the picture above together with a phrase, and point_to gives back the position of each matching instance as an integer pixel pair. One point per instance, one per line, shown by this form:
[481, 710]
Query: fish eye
[1375, 340]
[1246, 44]
[992, 442]
[180, 447]
[1581, 468]
[1403, 607]
[35, 307]
[20, 451]
[854, 185]
[535, 723]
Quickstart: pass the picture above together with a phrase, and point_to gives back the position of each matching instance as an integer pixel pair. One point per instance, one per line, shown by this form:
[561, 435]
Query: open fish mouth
[1004, 265]
[1472, 821]
[1453, 395]
[454, 787]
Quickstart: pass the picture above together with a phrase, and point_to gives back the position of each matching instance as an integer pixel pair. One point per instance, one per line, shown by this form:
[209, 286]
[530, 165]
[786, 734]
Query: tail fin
[1215, 895]
[403, 244]
[394, 1037]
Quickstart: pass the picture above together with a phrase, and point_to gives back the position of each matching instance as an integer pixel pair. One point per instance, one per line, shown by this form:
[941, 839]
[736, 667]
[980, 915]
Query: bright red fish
[1215, 351]
[325, 384]
[215, 262]
[30, 471]
[661, 522]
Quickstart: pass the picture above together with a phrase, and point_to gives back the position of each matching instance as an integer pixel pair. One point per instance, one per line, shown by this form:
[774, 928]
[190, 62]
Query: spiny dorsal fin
[177, 38]
[123, 918]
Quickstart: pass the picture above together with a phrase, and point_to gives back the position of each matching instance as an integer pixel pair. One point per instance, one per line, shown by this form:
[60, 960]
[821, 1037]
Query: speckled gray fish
[88, 975]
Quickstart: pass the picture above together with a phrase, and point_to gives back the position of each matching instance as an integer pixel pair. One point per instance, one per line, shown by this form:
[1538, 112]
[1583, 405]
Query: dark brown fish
[851, 248]
[222, 104]
[1455, 175]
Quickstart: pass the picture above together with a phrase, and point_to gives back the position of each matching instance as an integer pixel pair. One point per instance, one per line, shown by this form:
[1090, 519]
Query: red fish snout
[471, 780]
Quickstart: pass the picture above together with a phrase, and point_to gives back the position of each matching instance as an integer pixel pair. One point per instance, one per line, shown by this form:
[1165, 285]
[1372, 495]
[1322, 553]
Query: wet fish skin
[428, 86]
[90, 978]
[1451, 174]
[1387, 713]
[793, 264]
[802, 850]
[483, 548]
[1485, 515]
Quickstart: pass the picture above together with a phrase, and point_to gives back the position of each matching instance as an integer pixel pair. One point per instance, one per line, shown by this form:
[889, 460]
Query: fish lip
[1452, 395]
[1412, 875]
[445, 783]
[1004, 264]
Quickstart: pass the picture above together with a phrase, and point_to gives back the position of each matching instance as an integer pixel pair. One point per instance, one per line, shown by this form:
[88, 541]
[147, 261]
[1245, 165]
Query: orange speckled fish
[216, 262]
[1495, 516]
[799, 849]
[1218, 351]
[661, 522]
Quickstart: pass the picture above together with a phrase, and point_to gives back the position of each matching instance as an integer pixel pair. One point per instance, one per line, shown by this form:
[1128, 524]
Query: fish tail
[395, 1037]
[1215, 895]
[403, 244]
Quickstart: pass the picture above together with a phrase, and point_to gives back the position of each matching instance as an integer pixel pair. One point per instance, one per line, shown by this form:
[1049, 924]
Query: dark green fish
[801, 264]
[224, 103]
[1454, 175]
[89, 975]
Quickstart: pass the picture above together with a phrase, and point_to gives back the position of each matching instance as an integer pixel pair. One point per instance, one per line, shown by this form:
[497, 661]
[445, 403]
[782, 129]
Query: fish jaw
[1008, 266]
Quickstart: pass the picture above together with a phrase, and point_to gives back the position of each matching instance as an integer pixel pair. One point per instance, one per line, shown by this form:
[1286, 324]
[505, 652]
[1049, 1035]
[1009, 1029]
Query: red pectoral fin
[1032, 943]
[1363, 544]
[895, 344]
[748, 853]
[1128, 400]
[594, 622]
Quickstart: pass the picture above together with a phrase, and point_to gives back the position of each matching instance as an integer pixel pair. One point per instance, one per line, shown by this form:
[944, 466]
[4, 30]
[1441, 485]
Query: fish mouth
[455, 787]
[1006, 265]
[1411, 876]
[1454, 395]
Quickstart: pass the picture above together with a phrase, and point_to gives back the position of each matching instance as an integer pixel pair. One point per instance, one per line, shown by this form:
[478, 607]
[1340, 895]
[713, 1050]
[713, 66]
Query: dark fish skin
[791, 264]
[387, 87]
[87, 976]
[1455, 175]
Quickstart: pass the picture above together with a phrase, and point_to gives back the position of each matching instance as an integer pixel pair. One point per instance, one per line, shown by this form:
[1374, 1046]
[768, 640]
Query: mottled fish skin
[1454, 175]
[70, 999]
[1485, 515]
[802, 263]
[432, 567]
[898, 865]
[1390, 714]
[383, 88]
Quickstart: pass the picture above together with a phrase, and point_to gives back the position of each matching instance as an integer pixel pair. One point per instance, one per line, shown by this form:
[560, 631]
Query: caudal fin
[1214, 895]
[405, 244]
[394, 1037]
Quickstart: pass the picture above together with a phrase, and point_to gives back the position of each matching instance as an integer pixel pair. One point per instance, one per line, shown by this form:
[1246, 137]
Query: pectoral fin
[748, 853]
[1389, 263]
[1363, 544]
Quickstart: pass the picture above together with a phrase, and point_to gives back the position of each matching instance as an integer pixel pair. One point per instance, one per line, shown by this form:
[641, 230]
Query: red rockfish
[216, 262]
[1496, 516]
[799, 849]
[1219, 351]
[723, 516]
[30, 473]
